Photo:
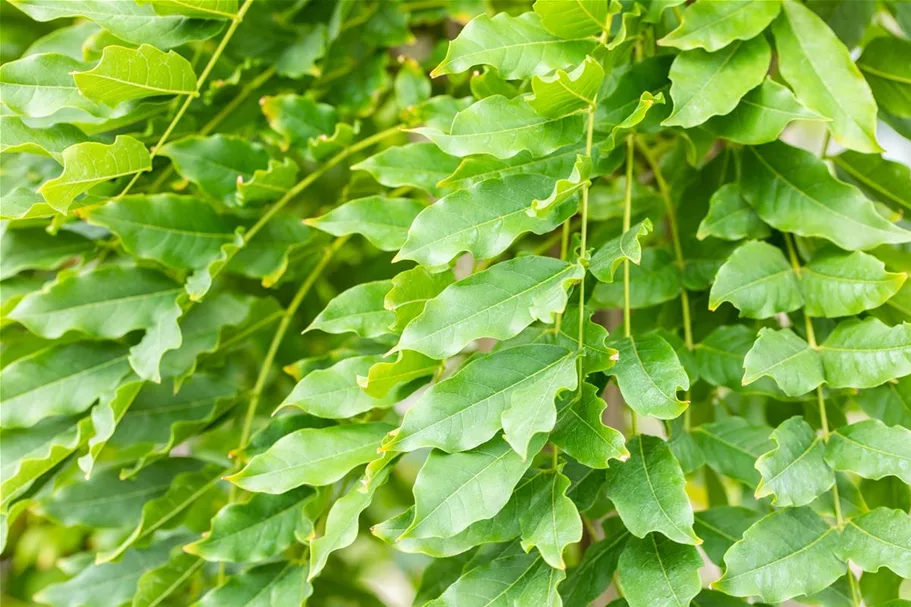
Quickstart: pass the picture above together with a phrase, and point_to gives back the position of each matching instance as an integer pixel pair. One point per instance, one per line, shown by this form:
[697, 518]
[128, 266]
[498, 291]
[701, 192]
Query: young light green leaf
[732, 446]
[407, 367]
[518, 47]
[720, 527]
[730, 217]
[787, 359]
[419, 165]
[17, 136]
[648, 491]
[498, 302]
[476, 169]
[714, 25]
[105, 416]
[866, 353]
[820, 71]
[452, 491]
[302, 122]
[884, 65]
[311, 456]
[467, 409]
[503, 128]
[657, 572]
[578, 18]
[607, 259]
[880, 538]
[871, 449]
[757, 280]
[87, 164]
[581, 433]
[358, 310]
[550, 521]
[42, 84]
[256, 530]
[763, 562]
[649, 375]
[564, 189]
[381, 220]
[561, 94]
[842, 284]
[127, 74]
[794, 473]
[792, 190]
[711, 84]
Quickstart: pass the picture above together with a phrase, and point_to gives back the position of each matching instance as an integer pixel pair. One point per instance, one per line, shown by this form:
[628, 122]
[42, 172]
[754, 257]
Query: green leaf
[714, 25]
[880, 538]
[825, 78]
[452, 491]
[483, 220]
[730, 217]
[711, 84]
[841, 284]
[655, 571]
[267, 184]
[550, 520]
[461, 412]
[763, 562]
[518, 47]
[580, 432]
[105, 416]
[649, 375]
[62, 379]
[420, 165]
[889, 403]
[866, 353]
[411, 290]
[407, 367]
[757, 280]
[157, 584]
[881, 65]
[576, 19]
[127, 74]
[381, 220]
[358, 310]
[476, 169]
[280, 583]
[17, 136]
[792, 190]
[302, 122]
[35, 249]
[795, 472]
[256, 530]
[41, 85]
[721, 527]
[504, 127]
[334, 393]
[732, 446]
[787, 359]
[161, 512]
[594, 574]
[871, 449]
[654, 281]
[311, 456]
[648, 491]
[498, 302]
[889, 182]
[607, 259]
[561, 94]
[88, 164]
[206, 9]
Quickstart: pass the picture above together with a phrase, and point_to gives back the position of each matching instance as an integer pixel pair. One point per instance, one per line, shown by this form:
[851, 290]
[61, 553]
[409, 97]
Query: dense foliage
[454, 201]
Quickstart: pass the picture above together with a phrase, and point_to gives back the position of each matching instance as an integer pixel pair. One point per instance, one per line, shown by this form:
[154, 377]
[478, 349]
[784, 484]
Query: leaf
[562, 94]
[866, 353]
[656, 571]
[762, 114]
[793, 539]
[607, 259]
[334, 393]
[126, 74]
[35, 249]
[206, 9]
[518, 47]
[280, 583]
[580, 432]
[87, 164]
[822, 75]
[711, 84]
[792, 190]
[881, 65]
[503, 128]
[577, 18]
[381, 220]
[498, 302]
[256, 530]
[730, 217]
[593, 575]
[889, 182]
[648, 492]
[302, 122]
[267, 184]
[721, 527]
[105, 416]
[839, 284]
[649, 375]
[483, 220]
[17, 136]
[787, 359]
[161, 512]
[795, 472]
[411, 290]
[452, 491]
[880, 538]
[420, 165]
[408, 366]
[550, 521]
[40, 85]
[871, 449]
[358, 310]
[714, 25]
[477, 169]
[757, 280]
[108, 303]
[654, 281]
[311, 456]
[62, 379]
[889, 403]
[732, 446]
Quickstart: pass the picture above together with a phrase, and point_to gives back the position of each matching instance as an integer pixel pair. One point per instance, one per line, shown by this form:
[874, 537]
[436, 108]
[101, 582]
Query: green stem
[589, 137]
[199, 82]
[627, 221]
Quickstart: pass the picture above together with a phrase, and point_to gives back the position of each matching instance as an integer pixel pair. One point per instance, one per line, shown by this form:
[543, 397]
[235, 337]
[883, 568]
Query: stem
[199, 82]
[564, 249]
[555, 456]
[627, 221]
[584, 230]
